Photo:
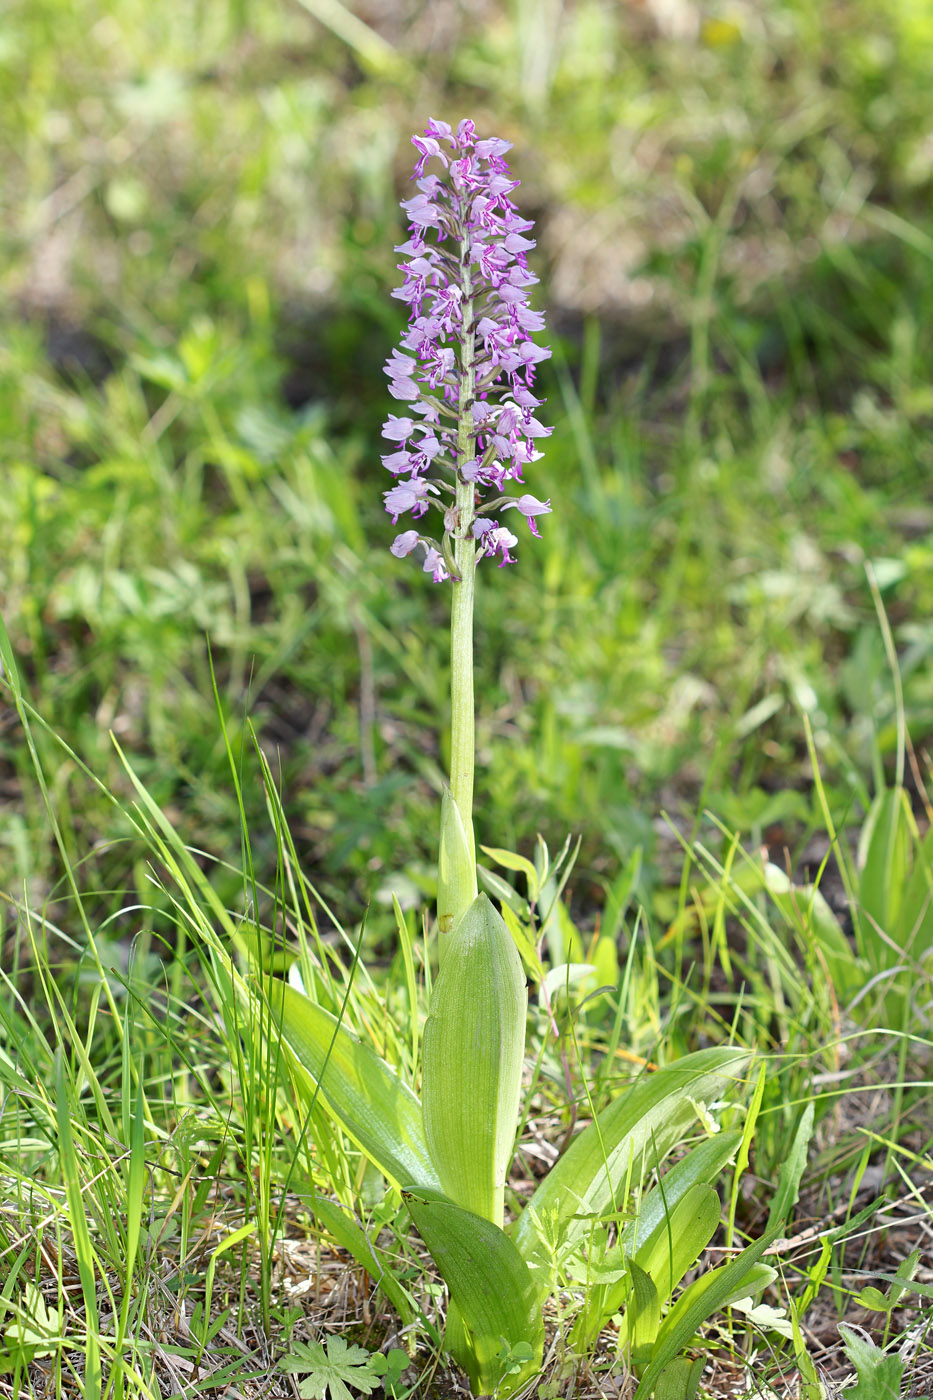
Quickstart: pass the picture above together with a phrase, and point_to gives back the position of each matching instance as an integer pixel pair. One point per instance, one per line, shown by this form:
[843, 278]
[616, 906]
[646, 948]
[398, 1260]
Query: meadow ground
[223, 719]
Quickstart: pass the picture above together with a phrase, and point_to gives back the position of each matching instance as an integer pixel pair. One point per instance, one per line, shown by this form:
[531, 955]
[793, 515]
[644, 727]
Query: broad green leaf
[501, 889]
[374, 1107]
[805, 907]
[632, 1134]
[509, 860]
[883, 861]
[698, 1167]
[740, 1278]
[914, 930]
[472, 1059]
[643, 1314]
[677, 1243]
[674, 1247]
[603, 1300]
[354, 1239]
[792, 1168]
[680, 1379]
[491, 1285]
[456, 870]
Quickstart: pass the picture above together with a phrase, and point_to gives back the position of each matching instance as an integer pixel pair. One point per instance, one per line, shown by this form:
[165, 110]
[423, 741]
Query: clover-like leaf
[32, 1334]
[327, 1373]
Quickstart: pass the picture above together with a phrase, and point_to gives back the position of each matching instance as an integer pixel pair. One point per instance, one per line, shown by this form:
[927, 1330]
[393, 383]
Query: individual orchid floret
[404, 544]
[465, 369]
[500, 541]
[409, 495]
[434, 565]
[529, 507]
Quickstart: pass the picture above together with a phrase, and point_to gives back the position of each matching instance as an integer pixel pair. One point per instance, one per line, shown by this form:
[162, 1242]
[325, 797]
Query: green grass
[718, 655]
[151, 1131]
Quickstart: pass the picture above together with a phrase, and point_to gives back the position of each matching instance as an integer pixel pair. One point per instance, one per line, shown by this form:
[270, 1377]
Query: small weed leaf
[327, 1373]
[515, 1357]
[33, 1333]
[390, 1367]
[879, 1372]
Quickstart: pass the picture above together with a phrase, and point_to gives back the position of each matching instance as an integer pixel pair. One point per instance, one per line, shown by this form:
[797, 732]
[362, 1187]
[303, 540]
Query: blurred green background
[199, 203]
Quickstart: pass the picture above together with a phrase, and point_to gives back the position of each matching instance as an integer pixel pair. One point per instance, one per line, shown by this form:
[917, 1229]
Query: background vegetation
[199, 204]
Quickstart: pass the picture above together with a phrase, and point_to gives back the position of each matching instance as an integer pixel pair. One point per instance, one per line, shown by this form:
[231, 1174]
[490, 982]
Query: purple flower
[409, 495]
[500, 541]
[397, 462]
[434, 565]
[529, 506]
[397, 429]
[466, 367]
[404, 544]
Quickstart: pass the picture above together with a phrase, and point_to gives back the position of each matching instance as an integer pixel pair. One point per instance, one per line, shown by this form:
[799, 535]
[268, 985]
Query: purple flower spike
[466, 368]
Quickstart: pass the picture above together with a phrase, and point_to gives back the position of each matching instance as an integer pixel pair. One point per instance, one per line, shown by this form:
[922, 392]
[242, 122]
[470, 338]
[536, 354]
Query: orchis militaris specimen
[467, 379]
[470, 424]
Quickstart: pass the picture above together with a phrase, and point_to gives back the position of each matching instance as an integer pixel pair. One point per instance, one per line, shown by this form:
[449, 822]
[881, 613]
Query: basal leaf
[673, 1247]
[677, 1243]
[365, 1095]
[883, 860]
[788, 1188]
[350, 1235]
[472, 1057]
[739, 1278]
[643, 1314]
[680, 1378]
[632, 1133]
[491, 1285]
[699, 1167]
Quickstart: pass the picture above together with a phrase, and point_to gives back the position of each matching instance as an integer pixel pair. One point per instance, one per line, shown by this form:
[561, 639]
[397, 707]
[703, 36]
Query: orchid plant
[465, 374]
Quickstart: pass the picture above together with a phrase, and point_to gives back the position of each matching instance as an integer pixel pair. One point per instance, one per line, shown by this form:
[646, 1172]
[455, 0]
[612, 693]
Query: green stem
[462, 724]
